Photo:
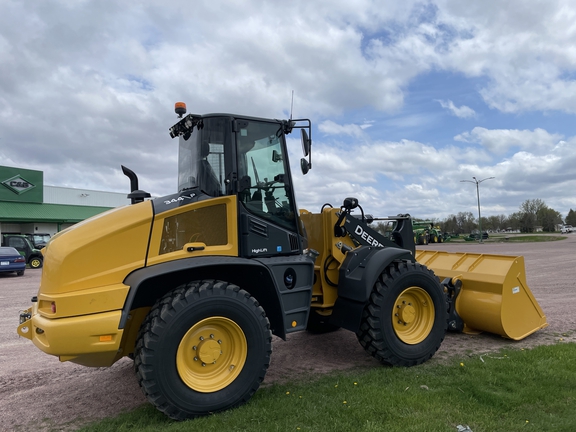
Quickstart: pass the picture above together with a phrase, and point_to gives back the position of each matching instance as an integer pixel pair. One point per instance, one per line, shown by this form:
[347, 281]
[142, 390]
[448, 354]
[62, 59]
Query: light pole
[478, 195]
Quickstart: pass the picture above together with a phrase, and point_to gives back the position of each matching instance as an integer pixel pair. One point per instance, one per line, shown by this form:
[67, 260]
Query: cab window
[262, 168]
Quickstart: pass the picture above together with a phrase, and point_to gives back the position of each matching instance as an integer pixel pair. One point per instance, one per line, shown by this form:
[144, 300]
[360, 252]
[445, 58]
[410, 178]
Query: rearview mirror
[304, 165]
[305, 142]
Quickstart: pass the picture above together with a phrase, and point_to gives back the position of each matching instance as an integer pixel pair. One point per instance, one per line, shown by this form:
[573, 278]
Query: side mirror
[304, 166]
[305, 142]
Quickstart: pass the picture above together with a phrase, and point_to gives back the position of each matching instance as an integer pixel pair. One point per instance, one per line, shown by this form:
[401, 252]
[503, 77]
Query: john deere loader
[193, 285]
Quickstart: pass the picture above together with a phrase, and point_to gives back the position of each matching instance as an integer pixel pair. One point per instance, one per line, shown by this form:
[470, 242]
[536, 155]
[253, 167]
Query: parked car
[11, 261]
[476, 236]
[566, 229]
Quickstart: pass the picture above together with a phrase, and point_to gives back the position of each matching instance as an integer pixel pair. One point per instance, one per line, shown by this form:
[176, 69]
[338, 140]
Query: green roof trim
[31, 212]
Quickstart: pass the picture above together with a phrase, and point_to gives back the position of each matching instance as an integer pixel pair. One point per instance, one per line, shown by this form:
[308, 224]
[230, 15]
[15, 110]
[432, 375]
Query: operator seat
[208, 181]
[256, 201]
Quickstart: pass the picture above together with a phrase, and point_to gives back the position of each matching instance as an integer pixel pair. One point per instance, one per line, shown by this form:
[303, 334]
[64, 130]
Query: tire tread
[164, 310]
[371, 335]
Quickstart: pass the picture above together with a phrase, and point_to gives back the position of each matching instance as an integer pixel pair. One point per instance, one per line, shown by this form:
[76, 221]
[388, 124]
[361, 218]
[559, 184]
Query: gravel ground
[39, 393]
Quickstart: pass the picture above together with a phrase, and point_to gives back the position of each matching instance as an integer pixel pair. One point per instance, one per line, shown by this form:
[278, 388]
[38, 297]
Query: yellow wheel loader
[193, 285]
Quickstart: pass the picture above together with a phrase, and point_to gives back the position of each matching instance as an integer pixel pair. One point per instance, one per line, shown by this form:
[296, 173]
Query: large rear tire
[404, 322]
[204, 347]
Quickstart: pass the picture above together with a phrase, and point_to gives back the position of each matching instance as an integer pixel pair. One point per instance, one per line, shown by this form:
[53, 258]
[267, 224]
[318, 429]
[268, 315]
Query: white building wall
[39, 228]
[10, 228]
[84, 197]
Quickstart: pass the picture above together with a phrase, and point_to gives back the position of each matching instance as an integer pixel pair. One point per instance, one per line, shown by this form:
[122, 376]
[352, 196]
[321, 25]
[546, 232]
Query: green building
[28, 206]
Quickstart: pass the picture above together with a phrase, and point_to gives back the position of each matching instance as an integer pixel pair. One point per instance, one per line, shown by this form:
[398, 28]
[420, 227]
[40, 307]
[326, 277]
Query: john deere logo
[18, 185]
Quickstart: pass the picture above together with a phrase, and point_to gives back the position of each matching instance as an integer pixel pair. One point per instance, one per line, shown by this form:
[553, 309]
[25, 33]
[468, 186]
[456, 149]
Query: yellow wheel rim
[211, 354]
[413, 315]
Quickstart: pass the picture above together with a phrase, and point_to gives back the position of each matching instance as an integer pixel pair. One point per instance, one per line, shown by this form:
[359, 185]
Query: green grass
[514, 390]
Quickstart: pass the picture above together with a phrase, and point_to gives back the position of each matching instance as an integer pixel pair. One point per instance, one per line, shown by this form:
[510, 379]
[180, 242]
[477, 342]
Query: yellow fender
[495, 296]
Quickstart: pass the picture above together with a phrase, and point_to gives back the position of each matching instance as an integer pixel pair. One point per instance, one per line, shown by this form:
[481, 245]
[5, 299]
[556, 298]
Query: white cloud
[524, 48]
[85, 87]
[331, 128]
[501, 140]
[416, 178]
[460, 112]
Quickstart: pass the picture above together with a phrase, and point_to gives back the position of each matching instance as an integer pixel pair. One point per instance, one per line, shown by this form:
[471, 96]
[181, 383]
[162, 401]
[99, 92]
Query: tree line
[532, 214]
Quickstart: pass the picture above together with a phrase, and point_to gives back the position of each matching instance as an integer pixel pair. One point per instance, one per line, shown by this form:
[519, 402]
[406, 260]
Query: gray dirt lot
[37, 392]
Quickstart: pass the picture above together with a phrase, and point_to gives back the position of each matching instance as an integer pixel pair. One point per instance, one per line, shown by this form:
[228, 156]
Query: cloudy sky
[406, 98]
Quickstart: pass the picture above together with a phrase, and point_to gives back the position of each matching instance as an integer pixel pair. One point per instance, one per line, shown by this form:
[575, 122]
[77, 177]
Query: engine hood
[99, 251]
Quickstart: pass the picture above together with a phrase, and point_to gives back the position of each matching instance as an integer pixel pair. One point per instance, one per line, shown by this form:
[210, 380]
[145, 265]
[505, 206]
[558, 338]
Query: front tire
[204, 347]
[405, 320]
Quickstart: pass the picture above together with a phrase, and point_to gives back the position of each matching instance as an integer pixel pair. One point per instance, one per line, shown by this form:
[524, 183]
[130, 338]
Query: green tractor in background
[425, 232]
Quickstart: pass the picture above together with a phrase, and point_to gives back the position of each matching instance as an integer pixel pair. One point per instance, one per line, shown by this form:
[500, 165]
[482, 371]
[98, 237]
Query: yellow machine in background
[193, 285]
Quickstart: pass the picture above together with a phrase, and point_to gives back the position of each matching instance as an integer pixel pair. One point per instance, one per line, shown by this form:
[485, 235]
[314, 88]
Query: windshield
[41, 238]
[201, 157]
[262, 168]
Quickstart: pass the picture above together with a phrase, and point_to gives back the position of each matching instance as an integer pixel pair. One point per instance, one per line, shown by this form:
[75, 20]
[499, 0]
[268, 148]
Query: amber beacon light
[180, 108]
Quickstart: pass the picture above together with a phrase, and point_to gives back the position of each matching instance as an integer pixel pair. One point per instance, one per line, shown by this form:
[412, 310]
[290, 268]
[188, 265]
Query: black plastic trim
[357, 276]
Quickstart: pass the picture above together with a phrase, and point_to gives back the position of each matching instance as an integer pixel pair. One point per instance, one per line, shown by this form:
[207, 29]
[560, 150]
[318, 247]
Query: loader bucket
[494, 297]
